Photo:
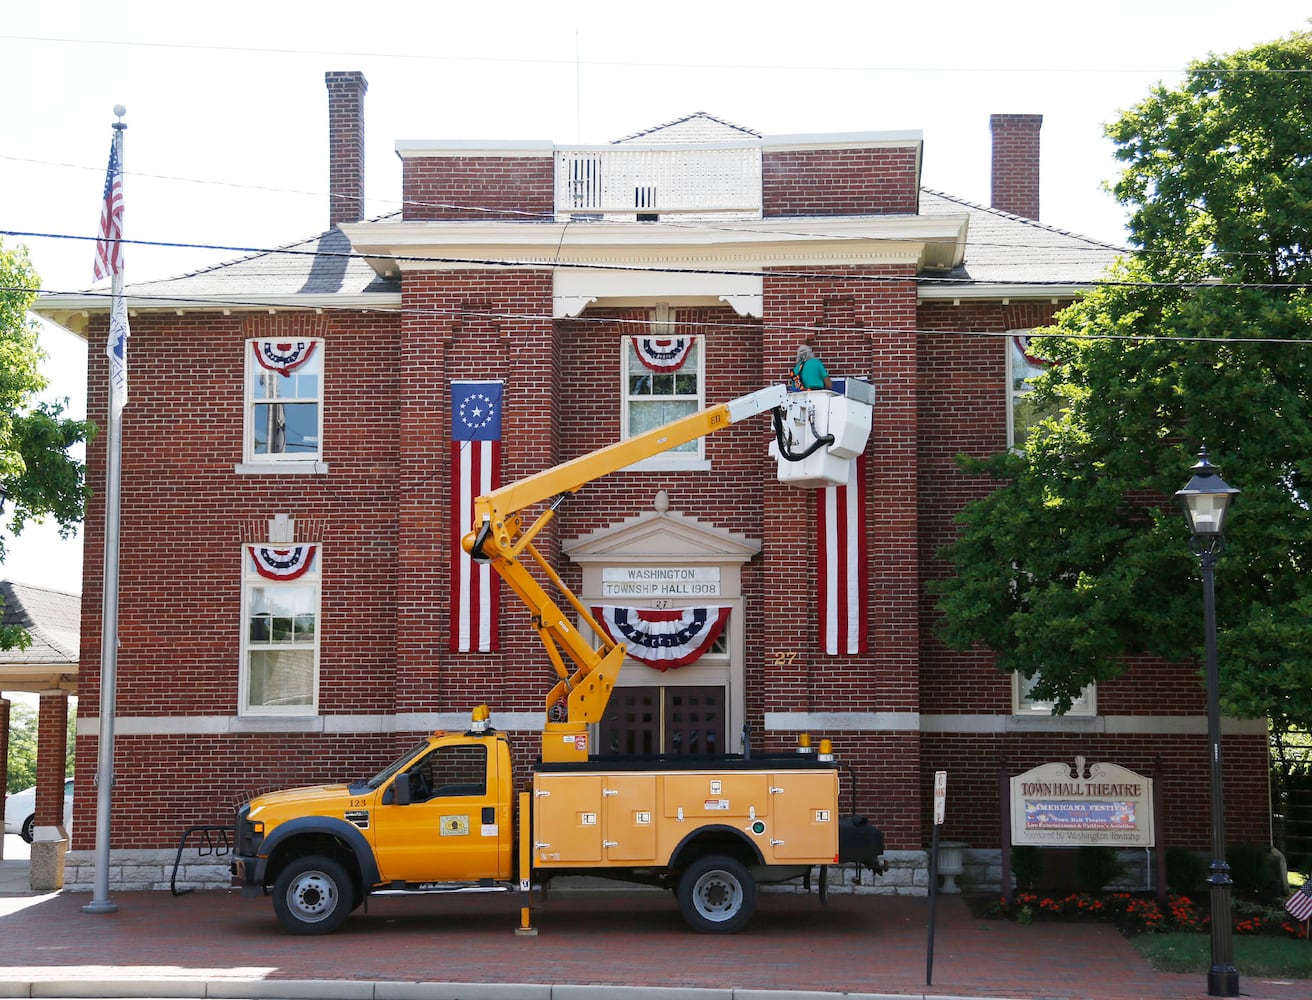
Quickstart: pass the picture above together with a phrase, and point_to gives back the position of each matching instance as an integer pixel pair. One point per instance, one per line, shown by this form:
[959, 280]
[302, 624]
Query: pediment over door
[662, 536]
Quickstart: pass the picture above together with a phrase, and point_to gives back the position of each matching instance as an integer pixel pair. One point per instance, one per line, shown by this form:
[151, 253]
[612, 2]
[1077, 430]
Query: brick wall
[861, 181]
[478, 188]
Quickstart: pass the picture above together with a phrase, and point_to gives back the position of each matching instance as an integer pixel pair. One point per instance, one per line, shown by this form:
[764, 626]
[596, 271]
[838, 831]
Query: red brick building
[540, 267]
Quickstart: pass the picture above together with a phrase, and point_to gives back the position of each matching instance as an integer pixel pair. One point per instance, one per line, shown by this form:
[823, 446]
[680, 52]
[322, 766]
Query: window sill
[668, 463]
[250, 722]
[296, 468]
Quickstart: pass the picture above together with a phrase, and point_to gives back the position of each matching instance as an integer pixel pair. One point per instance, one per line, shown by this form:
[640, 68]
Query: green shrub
[1186, 871]
[1095, 866]
[1250, 868]
[1026, 866]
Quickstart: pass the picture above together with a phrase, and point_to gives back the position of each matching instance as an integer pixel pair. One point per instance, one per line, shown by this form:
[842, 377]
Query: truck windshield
[382, 777]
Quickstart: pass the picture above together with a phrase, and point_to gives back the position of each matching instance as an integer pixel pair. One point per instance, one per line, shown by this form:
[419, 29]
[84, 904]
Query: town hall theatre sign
[1057, 805]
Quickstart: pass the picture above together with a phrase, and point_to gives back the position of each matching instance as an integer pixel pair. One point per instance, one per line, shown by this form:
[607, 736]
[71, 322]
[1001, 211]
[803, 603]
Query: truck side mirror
[401, 789]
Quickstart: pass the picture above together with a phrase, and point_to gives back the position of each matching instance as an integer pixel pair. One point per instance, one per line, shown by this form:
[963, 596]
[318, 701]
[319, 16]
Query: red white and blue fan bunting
[663, 637]
[663, 354]
[282, 562]
[282, 356]
[1031, 348]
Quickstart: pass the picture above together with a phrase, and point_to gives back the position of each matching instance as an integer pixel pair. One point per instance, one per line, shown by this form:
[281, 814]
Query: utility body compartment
[641, 813]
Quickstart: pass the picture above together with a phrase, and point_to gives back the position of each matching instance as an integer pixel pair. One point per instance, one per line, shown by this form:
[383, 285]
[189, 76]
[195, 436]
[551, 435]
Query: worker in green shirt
[809, 371]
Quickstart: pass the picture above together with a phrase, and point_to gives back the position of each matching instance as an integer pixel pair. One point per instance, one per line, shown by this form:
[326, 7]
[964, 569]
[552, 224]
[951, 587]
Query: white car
[20, 811]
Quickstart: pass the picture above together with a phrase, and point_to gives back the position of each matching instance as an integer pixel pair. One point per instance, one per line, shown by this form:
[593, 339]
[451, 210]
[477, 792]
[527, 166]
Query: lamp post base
[1223, 982]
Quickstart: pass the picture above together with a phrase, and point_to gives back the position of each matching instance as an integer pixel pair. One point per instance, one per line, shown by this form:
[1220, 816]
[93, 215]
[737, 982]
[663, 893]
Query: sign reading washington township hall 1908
[1057, 805]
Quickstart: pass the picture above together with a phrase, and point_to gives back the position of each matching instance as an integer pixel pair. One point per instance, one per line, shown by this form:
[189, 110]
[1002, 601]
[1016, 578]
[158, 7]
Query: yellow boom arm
[500, 538]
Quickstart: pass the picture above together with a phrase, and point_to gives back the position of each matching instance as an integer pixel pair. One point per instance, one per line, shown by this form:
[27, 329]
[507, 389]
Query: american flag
[109, 246]
[843, 565]
[1299, 904]
[476, 461]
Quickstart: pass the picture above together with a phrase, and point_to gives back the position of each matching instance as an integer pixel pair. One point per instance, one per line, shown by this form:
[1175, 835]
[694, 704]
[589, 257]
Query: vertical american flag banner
[475, 471]
[843, 568]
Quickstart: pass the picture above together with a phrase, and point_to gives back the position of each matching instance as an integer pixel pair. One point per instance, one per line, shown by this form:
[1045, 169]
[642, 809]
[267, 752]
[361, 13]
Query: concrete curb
[347, 989]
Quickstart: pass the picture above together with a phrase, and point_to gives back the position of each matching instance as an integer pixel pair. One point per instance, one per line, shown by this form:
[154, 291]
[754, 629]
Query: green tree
[22, 744]
[39, 476]
[1202, 335]
[22, 747]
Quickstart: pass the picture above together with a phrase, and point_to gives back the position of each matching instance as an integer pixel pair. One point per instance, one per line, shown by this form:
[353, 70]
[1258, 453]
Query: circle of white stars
[476, 411]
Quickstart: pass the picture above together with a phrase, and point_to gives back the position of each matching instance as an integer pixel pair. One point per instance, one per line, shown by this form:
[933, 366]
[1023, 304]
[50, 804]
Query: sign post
[940, 804]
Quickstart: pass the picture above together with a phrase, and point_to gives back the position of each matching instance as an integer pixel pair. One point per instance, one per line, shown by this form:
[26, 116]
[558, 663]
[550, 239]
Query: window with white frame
[1024, 703]
[663, 378]
[1023, 365]
[284, 401]
[280, 629]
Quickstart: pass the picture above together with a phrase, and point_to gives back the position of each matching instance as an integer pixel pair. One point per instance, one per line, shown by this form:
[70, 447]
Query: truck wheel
[313, 895]
[717, 895]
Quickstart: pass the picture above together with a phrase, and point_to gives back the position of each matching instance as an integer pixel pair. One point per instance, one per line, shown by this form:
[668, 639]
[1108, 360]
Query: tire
[28, 832]
[717, 895]
[313, 895]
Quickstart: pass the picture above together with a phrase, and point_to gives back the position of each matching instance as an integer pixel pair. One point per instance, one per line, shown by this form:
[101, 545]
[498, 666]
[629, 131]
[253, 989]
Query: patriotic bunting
[476, 471]
[283, 357]
[282, 563]
[663, 638]
[1029, 348]
[843, 568]
[663, 354]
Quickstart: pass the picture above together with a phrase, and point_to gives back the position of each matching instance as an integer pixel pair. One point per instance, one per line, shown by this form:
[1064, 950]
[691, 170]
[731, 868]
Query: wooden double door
[643, 721]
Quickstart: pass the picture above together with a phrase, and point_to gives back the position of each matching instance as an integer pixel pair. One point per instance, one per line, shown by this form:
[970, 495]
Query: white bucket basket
[843, 414]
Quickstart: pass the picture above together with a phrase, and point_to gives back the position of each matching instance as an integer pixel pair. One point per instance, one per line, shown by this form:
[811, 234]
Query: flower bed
[1141, 914]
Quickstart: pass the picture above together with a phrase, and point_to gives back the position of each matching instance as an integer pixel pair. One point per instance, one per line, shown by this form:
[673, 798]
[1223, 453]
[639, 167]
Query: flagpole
[100, 901]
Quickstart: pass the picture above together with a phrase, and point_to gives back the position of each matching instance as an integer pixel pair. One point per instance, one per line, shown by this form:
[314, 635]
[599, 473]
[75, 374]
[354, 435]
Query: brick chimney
[1016, 164]
[345, 145]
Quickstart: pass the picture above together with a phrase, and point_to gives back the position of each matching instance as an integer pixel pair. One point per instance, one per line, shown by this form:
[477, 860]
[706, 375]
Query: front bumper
[247, 874]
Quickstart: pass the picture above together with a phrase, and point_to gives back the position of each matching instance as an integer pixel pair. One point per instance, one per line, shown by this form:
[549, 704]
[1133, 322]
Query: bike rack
[214, 840]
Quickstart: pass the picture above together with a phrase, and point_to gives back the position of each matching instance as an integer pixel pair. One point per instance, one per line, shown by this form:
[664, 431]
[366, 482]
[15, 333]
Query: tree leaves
[39, 476]
[1080, 557]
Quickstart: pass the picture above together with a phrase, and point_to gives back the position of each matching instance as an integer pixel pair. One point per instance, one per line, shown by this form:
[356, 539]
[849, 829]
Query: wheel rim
[312, 896]
[718, 896]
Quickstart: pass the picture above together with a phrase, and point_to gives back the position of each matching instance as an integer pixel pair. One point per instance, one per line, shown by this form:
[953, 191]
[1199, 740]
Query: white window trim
[249, 578]
[297, 463]
[285, 467]
[1085, 707]
[663, 317]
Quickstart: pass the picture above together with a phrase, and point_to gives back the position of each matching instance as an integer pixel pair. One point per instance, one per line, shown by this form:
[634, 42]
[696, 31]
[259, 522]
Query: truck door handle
[775, 790]
[610, 843]
[610, 791]
[776, 843]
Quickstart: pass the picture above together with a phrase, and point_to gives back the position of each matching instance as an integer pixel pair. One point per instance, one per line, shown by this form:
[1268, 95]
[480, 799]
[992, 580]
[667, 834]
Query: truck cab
[438, 816]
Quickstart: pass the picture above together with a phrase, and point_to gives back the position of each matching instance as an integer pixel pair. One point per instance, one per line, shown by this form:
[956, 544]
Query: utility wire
[641, 324]
[1066, 69]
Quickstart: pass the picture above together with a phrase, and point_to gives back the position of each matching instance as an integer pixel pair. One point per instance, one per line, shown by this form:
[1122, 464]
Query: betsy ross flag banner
[476, 470]
[843, 566]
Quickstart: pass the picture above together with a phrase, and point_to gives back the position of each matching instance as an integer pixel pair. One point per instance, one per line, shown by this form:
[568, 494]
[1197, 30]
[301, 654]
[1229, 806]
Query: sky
[226, 144]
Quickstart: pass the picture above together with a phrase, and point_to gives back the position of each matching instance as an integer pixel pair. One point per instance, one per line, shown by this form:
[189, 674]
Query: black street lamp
[1205, 500]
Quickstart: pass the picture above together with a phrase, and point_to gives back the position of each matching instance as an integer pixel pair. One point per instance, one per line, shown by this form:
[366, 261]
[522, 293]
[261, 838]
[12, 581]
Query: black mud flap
[862, 842]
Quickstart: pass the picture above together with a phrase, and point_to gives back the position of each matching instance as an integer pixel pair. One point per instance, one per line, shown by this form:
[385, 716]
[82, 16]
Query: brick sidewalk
[860, 944]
